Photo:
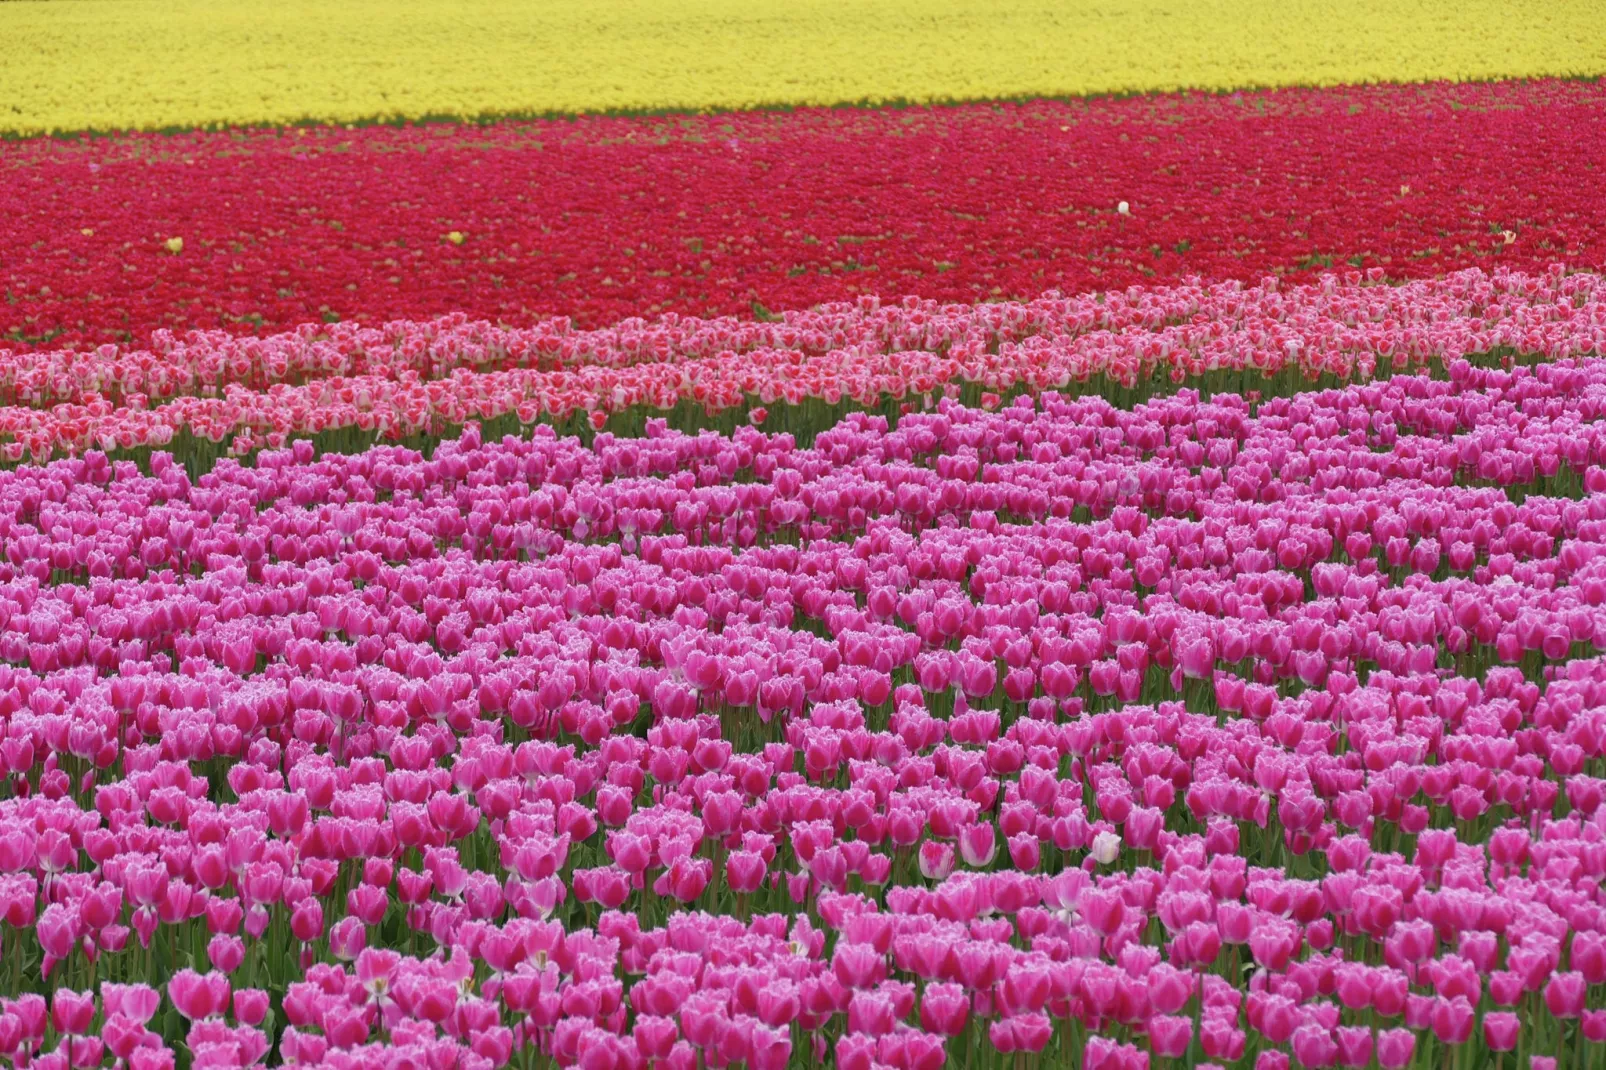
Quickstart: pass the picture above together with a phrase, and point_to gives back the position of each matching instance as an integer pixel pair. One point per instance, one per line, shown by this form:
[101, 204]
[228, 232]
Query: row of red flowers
[107, 240]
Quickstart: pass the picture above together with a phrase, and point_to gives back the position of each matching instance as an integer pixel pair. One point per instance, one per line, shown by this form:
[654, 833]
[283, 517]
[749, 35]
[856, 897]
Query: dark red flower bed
[606, 218]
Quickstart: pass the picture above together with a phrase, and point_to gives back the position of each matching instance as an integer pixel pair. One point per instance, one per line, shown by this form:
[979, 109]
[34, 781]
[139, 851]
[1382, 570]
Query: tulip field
[259, 231]
[684, 535]
[108, 65]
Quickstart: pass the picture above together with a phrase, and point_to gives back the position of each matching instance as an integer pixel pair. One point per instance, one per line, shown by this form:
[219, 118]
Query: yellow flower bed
[120, 64]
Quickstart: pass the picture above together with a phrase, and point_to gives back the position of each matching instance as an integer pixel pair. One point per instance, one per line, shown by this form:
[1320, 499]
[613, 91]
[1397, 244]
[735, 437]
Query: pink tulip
[1565, 994]
[1500, 1030]
[1169, 1036]
[197, 996]
[978, 845]
[1395, 1048]
[936, 860]
[72, 1012]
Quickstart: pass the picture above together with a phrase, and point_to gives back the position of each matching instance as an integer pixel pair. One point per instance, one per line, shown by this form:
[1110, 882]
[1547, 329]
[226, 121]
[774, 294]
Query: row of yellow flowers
[150, 64]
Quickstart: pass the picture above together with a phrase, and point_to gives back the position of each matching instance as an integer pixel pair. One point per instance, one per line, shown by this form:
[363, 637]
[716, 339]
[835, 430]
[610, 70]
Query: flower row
[155, 68]
[110, 240]
[1348, 327]
[213, 394]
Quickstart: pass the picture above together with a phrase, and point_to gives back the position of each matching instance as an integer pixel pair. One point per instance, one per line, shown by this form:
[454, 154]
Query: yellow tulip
[455, 237]
[175, 245]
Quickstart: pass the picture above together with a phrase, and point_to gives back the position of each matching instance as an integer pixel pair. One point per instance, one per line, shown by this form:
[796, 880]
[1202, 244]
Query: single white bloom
[1124, 208]
[1106, 846]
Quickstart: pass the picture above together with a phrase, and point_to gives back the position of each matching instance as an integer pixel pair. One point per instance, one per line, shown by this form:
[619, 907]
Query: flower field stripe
[347, 387]
[136, 64]
[1100, 735]
[600, 219]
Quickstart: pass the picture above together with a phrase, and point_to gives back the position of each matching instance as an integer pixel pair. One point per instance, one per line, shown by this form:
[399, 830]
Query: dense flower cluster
[1203, 730]
[119, 66]
[110, 239]
[1092, 583]
[350, 386]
